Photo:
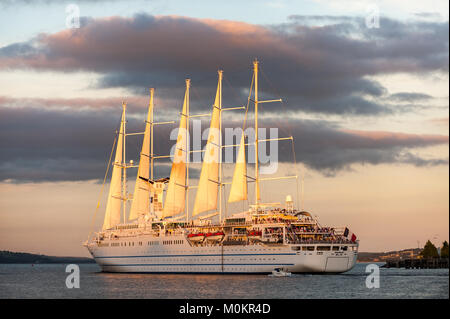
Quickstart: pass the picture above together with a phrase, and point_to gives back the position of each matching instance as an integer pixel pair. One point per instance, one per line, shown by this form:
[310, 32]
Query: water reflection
[48, 281]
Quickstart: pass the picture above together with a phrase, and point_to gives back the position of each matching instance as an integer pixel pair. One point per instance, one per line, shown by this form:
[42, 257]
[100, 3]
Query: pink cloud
[395, 137]
[137, 102]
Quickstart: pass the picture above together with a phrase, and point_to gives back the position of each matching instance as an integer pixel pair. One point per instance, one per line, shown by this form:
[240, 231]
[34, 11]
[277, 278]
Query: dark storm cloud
[60, 145]
[323, 68]
[328, 149]
[410, 96]
[136, 103]
[67, 145]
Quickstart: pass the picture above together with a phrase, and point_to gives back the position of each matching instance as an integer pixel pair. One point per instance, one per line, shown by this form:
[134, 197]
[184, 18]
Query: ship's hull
[177, 255]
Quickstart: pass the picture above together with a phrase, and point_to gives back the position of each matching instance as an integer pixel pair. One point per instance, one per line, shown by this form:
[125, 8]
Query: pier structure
[418, 263]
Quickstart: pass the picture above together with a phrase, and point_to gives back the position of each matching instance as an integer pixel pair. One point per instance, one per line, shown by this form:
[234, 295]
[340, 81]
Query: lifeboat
[215, 236]
[196, 237]
[254, 234]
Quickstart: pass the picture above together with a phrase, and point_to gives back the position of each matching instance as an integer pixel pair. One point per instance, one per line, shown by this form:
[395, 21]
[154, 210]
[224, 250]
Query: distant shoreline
[389, 255]
[9, 257]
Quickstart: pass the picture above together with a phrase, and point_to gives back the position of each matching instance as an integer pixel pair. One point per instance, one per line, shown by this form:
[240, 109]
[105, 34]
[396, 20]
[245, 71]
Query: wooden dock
[429, 263]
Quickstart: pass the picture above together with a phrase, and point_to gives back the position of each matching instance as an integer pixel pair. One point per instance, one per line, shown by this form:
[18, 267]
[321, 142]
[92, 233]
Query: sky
[364, 87]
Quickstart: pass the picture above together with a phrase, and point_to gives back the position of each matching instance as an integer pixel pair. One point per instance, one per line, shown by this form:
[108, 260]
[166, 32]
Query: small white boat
[280, 272]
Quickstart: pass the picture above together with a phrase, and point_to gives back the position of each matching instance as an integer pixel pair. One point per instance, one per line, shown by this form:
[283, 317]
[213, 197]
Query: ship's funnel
[289, 203]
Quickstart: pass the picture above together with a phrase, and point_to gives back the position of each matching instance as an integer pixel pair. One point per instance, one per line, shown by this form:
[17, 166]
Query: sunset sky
[367, 106]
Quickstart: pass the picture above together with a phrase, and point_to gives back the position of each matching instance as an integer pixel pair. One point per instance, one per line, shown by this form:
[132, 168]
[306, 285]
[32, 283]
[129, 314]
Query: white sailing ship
[159, 235]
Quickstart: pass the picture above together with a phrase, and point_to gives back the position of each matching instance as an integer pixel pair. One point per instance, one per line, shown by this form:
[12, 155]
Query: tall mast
[208, 196]
[152, 91]
[140, 205]
[220, 145]
[176, 199]
[124, 163]
[115, 196]
[188, 85]
[255, 71]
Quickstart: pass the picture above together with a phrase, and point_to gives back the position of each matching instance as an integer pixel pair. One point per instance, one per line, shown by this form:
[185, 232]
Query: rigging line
[237, 96]
[103, 186]
[196, 93]
[245, 122]
[226, 203]
[289, 128]
[282, 127]
[248, 102]
[119, 122]
[202, 121]
[243, 129]
[295, 166]
[137, 146]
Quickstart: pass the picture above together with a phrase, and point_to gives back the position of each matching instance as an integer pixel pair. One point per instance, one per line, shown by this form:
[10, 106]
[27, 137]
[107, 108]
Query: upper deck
[274, 226]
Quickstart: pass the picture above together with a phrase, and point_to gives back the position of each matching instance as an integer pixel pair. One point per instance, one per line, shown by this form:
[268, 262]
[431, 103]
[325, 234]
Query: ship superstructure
[160, 235]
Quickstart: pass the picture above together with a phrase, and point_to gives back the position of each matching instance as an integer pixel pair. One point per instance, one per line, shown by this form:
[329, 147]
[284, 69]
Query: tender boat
[280, 272]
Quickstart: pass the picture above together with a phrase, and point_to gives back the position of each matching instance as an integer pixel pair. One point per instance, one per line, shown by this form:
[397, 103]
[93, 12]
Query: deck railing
[312, 242]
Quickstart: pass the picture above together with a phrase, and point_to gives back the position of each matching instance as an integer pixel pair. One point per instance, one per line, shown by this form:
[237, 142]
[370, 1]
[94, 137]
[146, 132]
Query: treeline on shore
[429, 251]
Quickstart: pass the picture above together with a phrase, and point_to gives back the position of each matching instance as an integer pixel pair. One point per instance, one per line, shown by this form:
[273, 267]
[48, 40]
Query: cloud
[68, 145]
[322, 68]
[410, 97]
[40, 2]
[330, 149]
[137, 103]
[442, 121]
[428, 15]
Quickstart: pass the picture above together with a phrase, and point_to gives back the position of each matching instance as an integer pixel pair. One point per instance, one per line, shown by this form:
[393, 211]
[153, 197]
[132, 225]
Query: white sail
[112, 215]
[238, 189]
[176, 191]
[207, 192]
[140, 205]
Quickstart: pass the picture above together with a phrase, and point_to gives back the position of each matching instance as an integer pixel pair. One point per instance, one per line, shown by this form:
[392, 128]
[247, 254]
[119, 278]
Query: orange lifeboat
[196, 237]
[215, 236]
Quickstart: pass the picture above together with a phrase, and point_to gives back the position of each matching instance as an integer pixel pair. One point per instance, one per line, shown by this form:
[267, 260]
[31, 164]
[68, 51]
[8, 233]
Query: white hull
[182, 257]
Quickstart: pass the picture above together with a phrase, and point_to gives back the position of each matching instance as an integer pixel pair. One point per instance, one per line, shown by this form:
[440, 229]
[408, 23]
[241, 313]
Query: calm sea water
[48, 281]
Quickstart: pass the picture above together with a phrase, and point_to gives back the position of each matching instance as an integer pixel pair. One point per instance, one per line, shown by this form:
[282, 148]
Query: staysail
[207, 192]
[112, 215]
[176, 191]
[140, 205]
[238, 191]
